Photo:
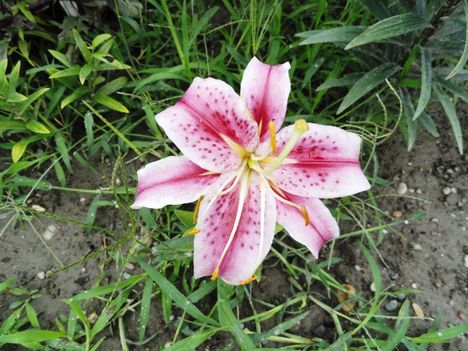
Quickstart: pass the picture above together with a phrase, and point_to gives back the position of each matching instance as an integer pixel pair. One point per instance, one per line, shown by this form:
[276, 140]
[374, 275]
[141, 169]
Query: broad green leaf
[112, 86]
[426, 82]
[18, 149]
[15, 97]
[31, 98]
[450, 111]
[84, 72]
[464, 57]
[68, 72]
[191, 342]
[6, 284]
[389, 28]
[179, 299]
[98, 40]
[61, 57]
[37, 127]
[110, 103]
[11, 125]
[368, 82]
[186, 217]
[30, 336]
[82, 46]
[346, 80]
[72, 97]
[331, 35]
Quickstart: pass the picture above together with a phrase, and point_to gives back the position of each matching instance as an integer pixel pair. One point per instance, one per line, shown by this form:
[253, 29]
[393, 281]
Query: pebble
[417, 247]
[438, 284]
[414, 286]
[38, 208]
[320, 331]
[466, 261]
[461, 315]
[92, 318]
[41, 275]
[130, 266]
[402, 189]
[393, 275]
[446, 190]
[418, 312]
[82, 200]
[452, 199]
[49, 233]
[418, 191]
[127, 275]
[397, 214]
[357, 268]
[372, 287]
[391, 306]
[401, 297]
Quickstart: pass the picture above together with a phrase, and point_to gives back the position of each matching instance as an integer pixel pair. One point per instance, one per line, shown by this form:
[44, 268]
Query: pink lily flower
[247, 174]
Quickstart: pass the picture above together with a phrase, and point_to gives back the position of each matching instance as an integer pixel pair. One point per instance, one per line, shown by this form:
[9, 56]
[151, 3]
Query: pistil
[300, 127]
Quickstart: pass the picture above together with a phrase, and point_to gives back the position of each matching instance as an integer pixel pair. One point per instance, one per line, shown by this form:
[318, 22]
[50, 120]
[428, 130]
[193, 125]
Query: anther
[271, 127]
[247, 281]
[197, 208]
[215, 274]
[194, 231]
[305, 214]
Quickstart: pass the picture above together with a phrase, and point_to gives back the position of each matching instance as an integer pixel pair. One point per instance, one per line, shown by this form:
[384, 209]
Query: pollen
[271, 127]
[197, 208]
[247, 281]
[305, 214]
[215, 274]
[194, 231]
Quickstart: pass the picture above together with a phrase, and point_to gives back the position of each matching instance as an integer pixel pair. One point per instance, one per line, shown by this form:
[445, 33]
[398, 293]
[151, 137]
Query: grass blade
[464, 57]
[332, 35]
[449, 108]
[426, 82]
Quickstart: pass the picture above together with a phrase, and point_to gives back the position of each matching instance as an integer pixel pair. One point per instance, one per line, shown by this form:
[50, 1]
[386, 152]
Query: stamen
[305, 214]
[247, 281]
[194, 231]
[197, 208]
[300, 127]
[271, 127]
[215, 274]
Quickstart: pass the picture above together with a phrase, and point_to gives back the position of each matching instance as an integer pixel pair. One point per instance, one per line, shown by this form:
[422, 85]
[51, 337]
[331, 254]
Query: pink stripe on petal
[323, 164]
[248, 247]
[321, 229]
[265, 89]
[173, 180]
[210, 111]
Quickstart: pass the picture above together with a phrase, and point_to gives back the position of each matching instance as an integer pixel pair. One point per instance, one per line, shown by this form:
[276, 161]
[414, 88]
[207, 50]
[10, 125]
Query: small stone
[461, 315]
[357, 268]
[418, 312]
[38, 208]
[417, 247]
[418, 191]
[397, 214]
[92, 318]
[127, 275]
[320, 331]
[118, 181]
[466, 261]
[346, 295]
[452, 199]
[393, 275]
[446, 190]
[372, 287]
[402, 189]
[41, 275]
[82, 199]
[391, 306]
[414, 286]
[401, 297]
[49, 233]
[438, 284]
[130, 266]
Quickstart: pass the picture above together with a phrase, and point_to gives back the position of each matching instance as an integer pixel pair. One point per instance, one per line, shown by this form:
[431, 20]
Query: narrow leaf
[464, 57]
[346, 80]
[37, 127]
[368, 82]
[18, 149]
[426, 82]
[332, 35]
[389, 28]
[428, 124]
[451, 113]
[110, 103]
[98, 40]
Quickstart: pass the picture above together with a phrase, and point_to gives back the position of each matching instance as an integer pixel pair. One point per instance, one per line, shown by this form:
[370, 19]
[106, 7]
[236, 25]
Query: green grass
[70, 98]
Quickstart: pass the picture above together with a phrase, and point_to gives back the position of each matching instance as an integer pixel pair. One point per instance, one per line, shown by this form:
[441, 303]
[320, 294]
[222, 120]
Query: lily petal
[236, 232]
[265, 89]
[173, 180]
[323, 164]
[210, 113]
[322, 226]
